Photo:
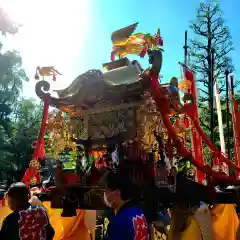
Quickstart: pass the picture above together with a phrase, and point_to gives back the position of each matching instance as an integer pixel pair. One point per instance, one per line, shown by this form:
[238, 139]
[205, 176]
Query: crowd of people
[29, 218]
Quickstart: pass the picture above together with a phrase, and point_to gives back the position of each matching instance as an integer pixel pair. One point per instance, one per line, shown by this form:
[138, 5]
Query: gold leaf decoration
[149, 120]
[34, 164]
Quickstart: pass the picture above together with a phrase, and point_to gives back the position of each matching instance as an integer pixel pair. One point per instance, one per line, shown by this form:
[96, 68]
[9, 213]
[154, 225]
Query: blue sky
[78, 34]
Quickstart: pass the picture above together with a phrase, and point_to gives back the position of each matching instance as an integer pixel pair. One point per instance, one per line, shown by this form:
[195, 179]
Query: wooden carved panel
[113, 123]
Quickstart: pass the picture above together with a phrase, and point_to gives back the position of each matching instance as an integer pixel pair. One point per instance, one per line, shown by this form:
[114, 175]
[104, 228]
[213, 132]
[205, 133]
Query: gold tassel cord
[69, 128]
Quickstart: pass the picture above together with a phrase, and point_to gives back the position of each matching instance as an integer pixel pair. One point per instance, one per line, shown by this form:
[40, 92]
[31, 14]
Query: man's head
[18, 196]
[118, 190]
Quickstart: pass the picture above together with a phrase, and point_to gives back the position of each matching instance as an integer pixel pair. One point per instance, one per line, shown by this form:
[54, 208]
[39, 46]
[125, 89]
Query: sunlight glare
[52, 33]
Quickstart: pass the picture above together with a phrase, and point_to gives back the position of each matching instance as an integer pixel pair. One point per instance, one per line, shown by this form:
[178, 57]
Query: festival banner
[216, 163]
[197, 148]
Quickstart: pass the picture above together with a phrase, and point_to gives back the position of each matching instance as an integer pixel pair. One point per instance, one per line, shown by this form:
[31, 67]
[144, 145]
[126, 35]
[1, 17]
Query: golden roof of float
[94, 88]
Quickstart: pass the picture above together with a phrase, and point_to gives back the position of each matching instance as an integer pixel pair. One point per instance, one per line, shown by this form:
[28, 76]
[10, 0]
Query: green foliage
[210, 47]
[211, 37]
[205, 119]
[19, 118]
[12, 77]
[25, 125]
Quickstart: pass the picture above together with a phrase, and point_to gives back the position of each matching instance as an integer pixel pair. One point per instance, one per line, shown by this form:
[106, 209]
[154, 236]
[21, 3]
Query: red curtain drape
[236, 122]
[163, 105]
[221, 156]
[197, 148]
[32, 174]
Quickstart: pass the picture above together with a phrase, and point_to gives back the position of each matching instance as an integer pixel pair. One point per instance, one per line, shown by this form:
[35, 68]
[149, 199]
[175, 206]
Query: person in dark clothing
[26, 221]
[127, 221]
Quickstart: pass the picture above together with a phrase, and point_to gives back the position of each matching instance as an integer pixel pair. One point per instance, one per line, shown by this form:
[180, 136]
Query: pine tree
[209, 54]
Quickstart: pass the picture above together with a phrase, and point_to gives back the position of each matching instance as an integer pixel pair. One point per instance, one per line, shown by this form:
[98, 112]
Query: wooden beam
[82, 113]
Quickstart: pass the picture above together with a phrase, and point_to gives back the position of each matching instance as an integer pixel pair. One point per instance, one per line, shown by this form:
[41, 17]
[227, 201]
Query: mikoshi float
[125, 114]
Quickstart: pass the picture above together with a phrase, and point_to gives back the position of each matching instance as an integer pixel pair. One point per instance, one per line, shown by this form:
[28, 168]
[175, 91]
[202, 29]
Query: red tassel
[36, 74]
[186, 121]
[54, 76]
[112, 56]
[160, 42]
[143, 52]
[36, 77]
